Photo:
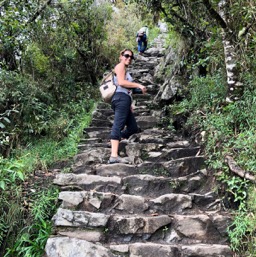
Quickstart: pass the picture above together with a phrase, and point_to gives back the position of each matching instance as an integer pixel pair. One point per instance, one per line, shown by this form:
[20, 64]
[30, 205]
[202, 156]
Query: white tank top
[123, 89]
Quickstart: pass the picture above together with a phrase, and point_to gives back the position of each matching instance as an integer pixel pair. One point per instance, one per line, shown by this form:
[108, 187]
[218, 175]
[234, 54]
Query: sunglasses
[128, 56]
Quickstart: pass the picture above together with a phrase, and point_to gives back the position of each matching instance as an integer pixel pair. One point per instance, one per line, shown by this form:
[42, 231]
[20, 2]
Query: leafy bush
[32, 239]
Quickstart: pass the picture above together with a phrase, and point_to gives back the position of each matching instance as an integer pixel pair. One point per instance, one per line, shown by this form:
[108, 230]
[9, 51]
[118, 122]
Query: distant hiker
[122, 105]
[142, 39]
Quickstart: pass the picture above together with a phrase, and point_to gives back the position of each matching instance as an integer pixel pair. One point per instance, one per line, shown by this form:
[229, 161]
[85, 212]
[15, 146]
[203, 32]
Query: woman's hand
[143, 89]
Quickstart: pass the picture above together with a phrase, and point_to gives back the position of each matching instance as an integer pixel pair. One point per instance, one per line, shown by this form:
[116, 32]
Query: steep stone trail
[159, 205]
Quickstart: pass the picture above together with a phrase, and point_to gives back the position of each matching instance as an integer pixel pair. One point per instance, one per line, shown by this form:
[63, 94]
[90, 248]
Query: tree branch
[245, 30]
[39, 11]
[182, 20]
[215, 14]
[237, 170]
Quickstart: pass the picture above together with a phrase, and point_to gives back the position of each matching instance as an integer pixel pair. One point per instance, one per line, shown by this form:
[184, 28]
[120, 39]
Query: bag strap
[107, 75]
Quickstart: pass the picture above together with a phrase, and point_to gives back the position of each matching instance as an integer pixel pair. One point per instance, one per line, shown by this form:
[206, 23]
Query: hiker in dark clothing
[122, 105]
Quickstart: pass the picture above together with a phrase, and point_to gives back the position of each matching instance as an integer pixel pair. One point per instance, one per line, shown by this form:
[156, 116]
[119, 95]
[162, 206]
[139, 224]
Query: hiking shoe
[117, 159]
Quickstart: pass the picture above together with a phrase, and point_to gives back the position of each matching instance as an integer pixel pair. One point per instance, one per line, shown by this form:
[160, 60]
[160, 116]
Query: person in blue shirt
[142, 39]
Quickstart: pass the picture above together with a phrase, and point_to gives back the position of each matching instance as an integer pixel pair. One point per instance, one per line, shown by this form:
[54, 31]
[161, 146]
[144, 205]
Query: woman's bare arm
[120, 74]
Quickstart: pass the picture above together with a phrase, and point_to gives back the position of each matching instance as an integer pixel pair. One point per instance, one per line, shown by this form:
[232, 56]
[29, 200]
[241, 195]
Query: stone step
[109, 115]
[155, 152]
[141, 185]
[175, 168]
[84, 147]
[99, 122]
[138, 112]
[89, 182]
[116, 169]
[141, 97]
[146, 122]
[149, 152]
[110, 203]
[171, 250]
[92, 156]
[90, 141]
[170, 154]
[67, 246]
[92, 129]
[187, 229]
[157, 133]
[172, 169]
[125, 204]
[103, 113]
[101, 134]
[152, 186]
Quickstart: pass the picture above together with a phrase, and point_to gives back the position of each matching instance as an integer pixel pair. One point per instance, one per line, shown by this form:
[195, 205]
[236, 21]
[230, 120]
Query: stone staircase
[162, 204]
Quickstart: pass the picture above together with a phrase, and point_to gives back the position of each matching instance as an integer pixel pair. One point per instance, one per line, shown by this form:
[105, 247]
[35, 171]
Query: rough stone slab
[68, 218]
[171, 203]
[90, 140]
[101, 123]
[193, 226]
[221, 222]
[147, 121]
[102, 113]
[90, 156]
[85, 147]
[141, 112]
[137, 224]
[131, 204]
[147, 185]
[172, 250]
[145, 146]
[89, 129]
[184, 166]
[117, 169]
[176, 153]
[154, 139]
[152, 168]
[153, 250]
[208, 201]
[154, 186]
[82, 169]
[206, 250]
[188, 184]
[198, 228]
[86, 200]
[99, 134]
[90, 236]
[178, 144]
[158, 132]
[124, 204]
[72, 247]
[69, 178]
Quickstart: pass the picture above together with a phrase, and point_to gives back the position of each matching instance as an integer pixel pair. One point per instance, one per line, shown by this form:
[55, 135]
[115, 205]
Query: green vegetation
[32, 238]
[29, 202]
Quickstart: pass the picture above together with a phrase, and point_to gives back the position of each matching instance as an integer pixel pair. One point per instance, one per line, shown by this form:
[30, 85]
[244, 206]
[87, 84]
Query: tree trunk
[235, 87]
